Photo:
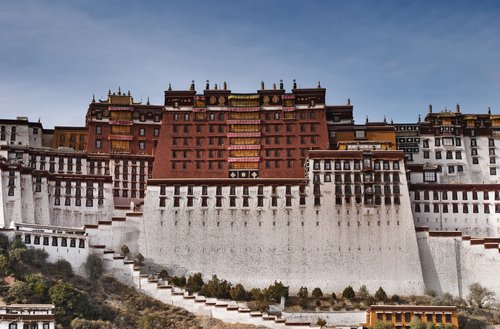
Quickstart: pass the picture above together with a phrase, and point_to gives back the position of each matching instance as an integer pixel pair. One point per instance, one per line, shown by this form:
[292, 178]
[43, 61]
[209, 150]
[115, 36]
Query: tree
[275, 291]
[179, 281]
[19, 293]
[348, 293]
[380, 295]
[395, 298]
[69, 302]
[303, 294]
[195, 282]
[479, 295]
[94, 267]
[321, 322]
[217, 288]
[333, 297]
[362, 293]
[317, 293]
[238, 292]
[39, 286]
[431, 325]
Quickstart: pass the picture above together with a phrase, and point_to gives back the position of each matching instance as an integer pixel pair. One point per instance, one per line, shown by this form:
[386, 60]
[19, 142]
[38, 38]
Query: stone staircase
[106, 239]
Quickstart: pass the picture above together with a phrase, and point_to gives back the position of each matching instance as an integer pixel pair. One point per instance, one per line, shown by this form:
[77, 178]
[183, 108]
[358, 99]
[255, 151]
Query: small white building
[27, 316]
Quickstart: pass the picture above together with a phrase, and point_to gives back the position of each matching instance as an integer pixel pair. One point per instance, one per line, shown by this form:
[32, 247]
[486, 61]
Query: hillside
[83, 304]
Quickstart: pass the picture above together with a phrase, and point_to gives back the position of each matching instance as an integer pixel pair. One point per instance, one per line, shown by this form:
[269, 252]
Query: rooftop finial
[109, 92]
[170, 87]
[281, 84]
[458, 108]
[93, 98]
[215, 87]
[147, 103]
[489, 110]
[294, 84]
[319, 84]
[385, 119]
[419, 119]
[392, 121]
[274, 86]
[348, 101]
[430, 108]
[128, 93]
[366, 119]
[119, 91]
[262, 85]
[192, 85]
[225, 85]
[207, 86]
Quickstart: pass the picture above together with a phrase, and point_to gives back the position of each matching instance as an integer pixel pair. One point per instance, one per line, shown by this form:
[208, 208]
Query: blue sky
[391, 57]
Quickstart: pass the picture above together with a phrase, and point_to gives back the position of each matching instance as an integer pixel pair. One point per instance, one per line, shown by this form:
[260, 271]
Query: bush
[317, 293]
[395, 298]
[321, 322]
[124, 249]
[333, 297]
[39, 286]
[362, 293]
[140, 259]
[19, 293]
[63, 269]
[179, 281]
[382, 325]
[238, 292]
[480, 296]
[318, 303]
[380, 295]
[163, 274]
[36, 257]
[348, 293]
[195, 282]
[303, 294]
[216, 288]
[94, 267]
[275, 291]
[90, 324]
[256, 294]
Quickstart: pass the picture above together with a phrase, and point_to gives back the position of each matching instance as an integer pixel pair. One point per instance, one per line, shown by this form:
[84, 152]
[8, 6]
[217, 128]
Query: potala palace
[264, 186]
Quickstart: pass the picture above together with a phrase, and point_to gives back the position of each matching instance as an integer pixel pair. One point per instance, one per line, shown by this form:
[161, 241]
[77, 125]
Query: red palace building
[220, 134]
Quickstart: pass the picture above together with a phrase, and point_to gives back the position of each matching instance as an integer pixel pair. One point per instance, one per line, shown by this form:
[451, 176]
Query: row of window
[125, 193]
[356, 165]
[455, 208]
[408, 317]
[221, 116]
[368, 177]
[454, 195]
[78, 201]
[128, 115]
[233, 201]
[367, 189]
[56, 241]
[141, 131]
[28, 325]
[245, 190]
[141, 144]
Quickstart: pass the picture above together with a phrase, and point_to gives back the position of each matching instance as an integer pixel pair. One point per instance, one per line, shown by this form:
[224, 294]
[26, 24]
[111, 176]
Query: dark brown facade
[220, 134]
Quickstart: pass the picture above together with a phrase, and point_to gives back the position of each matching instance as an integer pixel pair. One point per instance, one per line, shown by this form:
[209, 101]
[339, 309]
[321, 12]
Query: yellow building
[74, 137]
[400, 316]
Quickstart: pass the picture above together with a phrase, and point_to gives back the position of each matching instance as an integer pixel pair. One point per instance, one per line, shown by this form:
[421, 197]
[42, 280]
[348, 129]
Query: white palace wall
[328, 246]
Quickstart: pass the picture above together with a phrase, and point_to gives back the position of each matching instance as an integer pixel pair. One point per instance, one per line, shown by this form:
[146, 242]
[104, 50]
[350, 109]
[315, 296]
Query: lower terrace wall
[328, 247]
[451, 263]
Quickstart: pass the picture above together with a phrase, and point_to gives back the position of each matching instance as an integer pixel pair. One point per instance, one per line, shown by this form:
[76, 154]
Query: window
[360, 134]
[430, 176]
[426, 155]
[98, 143]
[438, 155]
[475, 160]
[142, 145]
[98, 130]
[493, 171]
[451, 169]
[458, 155]
[426, 143]
[449, 155]
[437, 142]
[491, 142]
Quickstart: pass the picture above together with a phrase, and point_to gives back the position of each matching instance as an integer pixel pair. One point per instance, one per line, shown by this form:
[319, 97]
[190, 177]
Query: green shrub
[256, 294]
[275, 291]
[317, 293]
[62, 269]
[94, 267]
[238, 292]
[195, 282]
[124, 249]
[90, 324]
[69, 302]
[380, 295]
[179, 281]
[348, 293]
[216, 288]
